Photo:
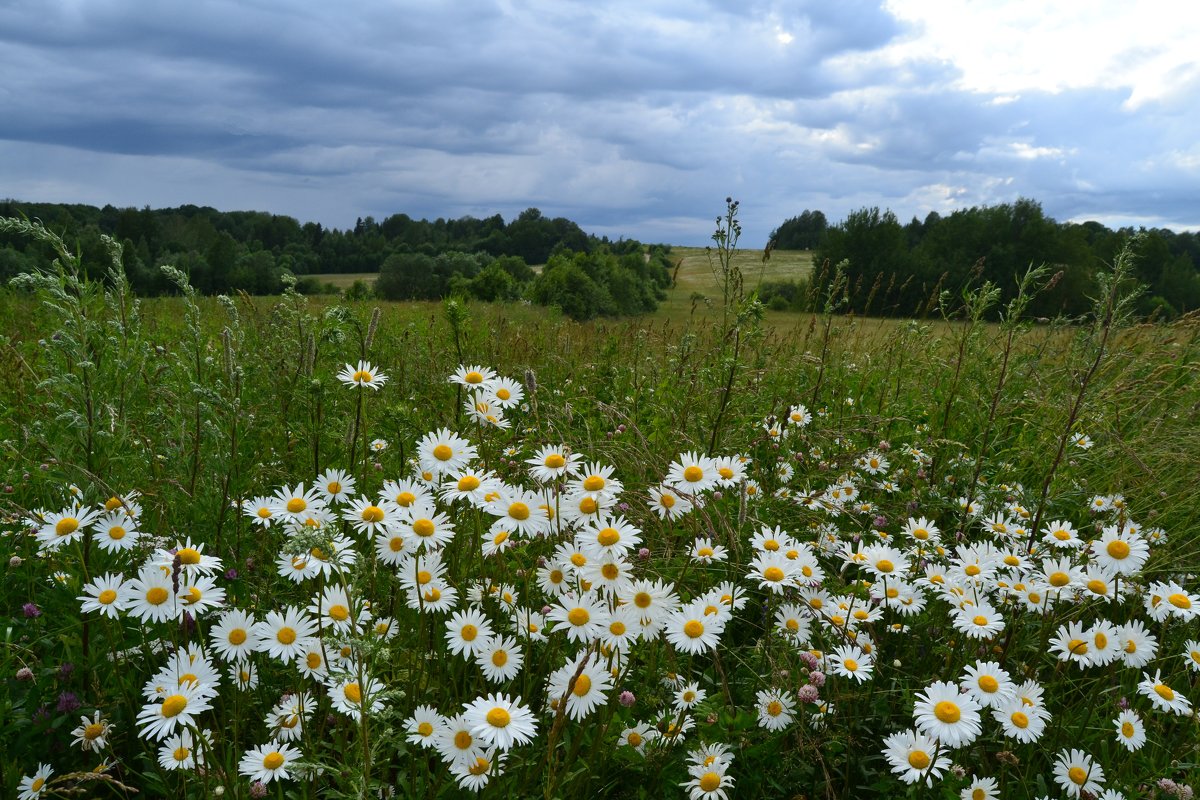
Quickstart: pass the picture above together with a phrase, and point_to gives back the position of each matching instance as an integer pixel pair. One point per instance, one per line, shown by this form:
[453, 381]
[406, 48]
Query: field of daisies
[286, 547]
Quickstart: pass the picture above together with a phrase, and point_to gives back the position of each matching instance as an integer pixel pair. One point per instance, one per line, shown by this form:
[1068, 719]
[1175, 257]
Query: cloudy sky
[632, 117]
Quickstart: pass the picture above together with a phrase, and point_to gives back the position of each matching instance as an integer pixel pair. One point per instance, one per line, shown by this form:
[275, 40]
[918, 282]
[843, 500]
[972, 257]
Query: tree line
[892, 269]
[251, 251]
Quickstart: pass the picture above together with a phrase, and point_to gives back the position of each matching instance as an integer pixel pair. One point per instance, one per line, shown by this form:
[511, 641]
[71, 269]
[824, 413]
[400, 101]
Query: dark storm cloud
[634, 118]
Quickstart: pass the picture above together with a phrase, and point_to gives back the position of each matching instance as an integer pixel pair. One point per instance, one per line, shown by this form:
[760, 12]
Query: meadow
[307, 548]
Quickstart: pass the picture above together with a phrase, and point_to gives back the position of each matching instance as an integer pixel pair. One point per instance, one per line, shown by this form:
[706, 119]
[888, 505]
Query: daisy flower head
[793, 622]
[477, 773]
[472, 486]
[92, 734]
[474, 377]
[484, 411]
[707, 783]
[922, 531]
[1121, 553]
[244, 675]
[444, 452]
[116, 531]
[799, 416]
[692, 473]
[688, 696]
[616, 536]
[772, 571]
[553, 462]
[1076, 773]
[730, 470]
[1138, 646]
[422, 726]
[468, 632]
[499, 721]
[455, 743]
[913, 757]
[942, 712]
[284, 635]
[507, 393]
[364, 375]
[980, 789]
[179, 751]
[152, 596]
[287, 719]
[583, 683]
[260, 510]
[1021, 721]
[158, 720]
[1163, 697]
[107, 594]
[597, 478]
[583, 617]
[34, 785]
[1131, 732]
[668, 504]
[59, 528]
[334, 610]
[849, 661]
[706, 552]
[1165, 600]
[692, 630]
[1191, 654]
[500, 660]
[775, 709]
[520, 511]
[638, 737]
[1062, 534]
[428, 528]
[297, 503]
[370, 518]
[988, 683]
[268, 762]
[353, 696]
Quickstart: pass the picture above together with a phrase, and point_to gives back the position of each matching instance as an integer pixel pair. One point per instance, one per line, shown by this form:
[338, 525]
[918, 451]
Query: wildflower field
[299, 548]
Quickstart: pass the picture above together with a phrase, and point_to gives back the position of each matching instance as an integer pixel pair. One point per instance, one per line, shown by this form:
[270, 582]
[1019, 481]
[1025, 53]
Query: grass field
[228, 539]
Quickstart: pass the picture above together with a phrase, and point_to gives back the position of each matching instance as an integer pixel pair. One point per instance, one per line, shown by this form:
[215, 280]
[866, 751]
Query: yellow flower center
[918, 760]
[693, 474]
[1127, 730]
[180, 753]
[588, 505]
[989, 684]
[173, 705]
[156, 596]
[850, 664]
[634, 738]
[518, 511]
[583, 685]
[693, 628]
[296, 505]
[116, 533]
[500, 538]
[884, 565]
[396, 544]
[578, 616]
[313, 660]
[610, 571]
[424, 577]
[463, 740]
[193, 596]
[498, 717]
[666, 500]
[107, 597]
[773, 574]
[1164, 691]
[972, 570]
[264, 513]
[372, 514]
[578, 559]
[704, 552]
[608, 537]
[469, 632]
[617, 628]
[1117, 549]
[113, 503]
[93, 731]
[443, 452]
[286, 635]
[66, 526]
[1179, 600]
[423, 527]
[792, 625]
[1059, 579]
[1020, 719]
[1101, 640]
[1077, 775]
[353, 693]
[642, 600]
[1097, 586]
[499, 658]
[339, 612]
[362, 376]
[709, 781]
[433, 595]
[273, 760]
[480, 767]
[473, 377]
[947, 712]
[1077, 647]
[774, 708]
[425, 729]
[468, 483]
[593, 483]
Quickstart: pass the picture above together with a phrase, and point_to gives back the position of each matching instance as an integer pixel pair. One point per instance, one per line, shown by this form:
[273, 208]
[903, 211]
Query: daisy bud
[808, 694]
[627, 699]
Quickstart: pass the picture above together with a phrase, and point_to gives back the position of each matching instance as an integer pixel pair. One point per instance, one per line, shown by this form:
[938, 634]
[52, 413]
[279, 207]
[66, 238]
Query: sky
[635, 118]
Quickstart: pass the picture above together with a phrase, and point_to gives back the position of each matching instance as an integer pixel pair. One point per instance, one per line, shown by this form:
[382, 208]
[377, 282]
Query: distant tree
[801, 233]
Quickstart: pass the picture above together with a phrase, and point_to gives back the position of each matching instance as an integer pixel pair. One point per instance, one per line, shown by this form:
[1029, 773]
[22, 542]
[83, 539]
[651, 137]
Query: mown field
[885, 565]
